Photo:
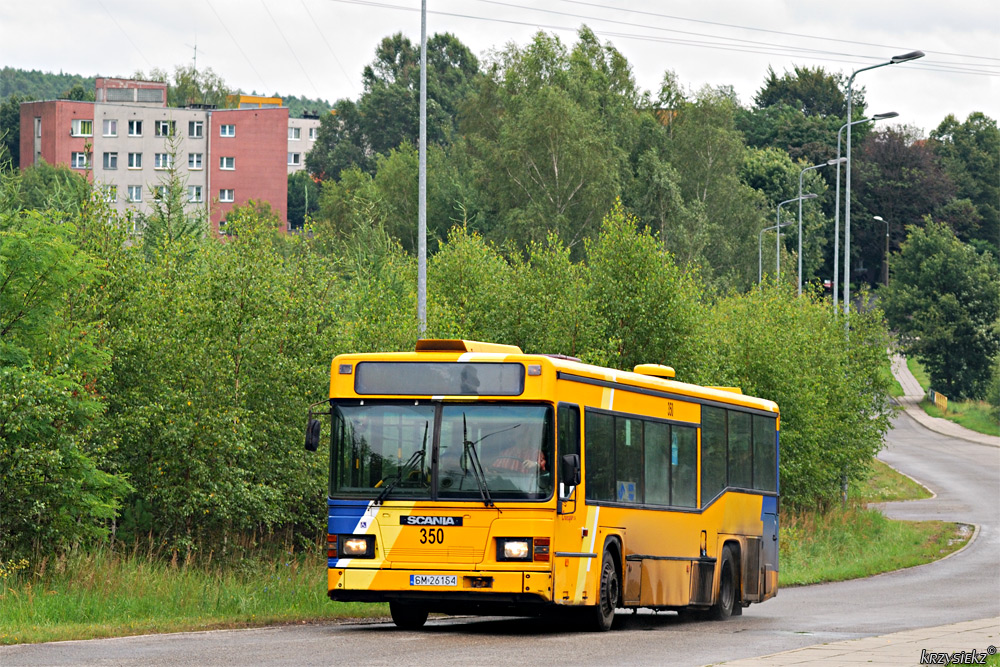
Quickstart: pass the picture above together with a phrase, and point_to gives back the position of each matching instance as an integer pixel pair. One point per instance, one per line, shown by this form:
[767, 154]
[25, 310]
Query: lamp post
[895, 60]
[422, 183]
[777, 242]
[760, 245]
[881, 219]
[828, 163]
[836, 215]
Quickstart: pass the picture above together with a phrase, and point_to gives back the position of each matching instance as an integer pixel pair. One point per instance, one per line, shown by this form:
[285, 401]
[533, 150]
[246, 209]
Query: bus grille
[442, 555]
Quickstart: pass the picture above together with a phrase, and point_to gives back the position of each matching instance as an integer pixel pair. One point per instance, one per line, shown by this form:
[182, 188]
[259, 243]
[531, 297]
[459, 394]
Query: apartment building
[128, 140]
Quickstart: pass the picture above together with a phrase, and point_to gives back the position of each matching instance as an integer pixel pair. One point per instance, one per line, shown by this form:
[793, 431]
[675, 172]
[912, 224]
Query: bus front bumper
[383, 585]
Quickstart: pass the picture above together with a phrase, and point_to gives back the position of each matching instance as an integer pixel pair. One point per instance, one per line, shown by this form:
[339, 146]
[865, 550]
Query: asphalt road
[965, 586]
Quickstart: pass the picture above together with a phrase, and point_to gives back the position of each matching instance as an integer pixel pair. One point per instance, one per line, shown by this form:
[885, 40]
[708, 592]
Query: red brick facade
[259, 152]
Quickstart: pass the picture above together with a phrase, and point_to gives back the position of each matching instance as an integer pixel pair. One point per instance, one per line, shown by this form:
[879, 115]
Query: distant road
[964, 475]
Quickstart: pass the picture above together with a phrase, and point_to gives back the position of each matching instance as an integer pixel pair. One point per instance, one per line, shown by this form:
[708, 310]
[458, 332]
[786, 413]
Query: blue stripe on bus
[343, 515]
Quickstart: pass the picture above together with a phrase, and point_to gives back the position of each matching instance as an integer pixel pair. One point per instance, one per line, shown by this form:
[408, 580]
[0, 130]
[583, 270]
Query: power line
[127, 36]
[290, 49]
[775, 32]
[237, 44]
[763, 50]
[350, 81]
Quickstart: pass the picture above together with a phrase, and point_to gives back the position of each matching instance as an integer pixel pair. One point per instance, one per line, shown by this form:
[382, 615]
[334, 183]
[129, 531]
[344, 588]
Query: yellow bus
[472, 478]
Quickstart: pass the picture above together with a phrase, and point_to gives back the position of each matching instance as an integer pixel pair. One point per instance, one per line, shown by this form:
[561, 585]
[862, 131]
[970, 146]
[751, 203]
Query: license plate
[433, 580]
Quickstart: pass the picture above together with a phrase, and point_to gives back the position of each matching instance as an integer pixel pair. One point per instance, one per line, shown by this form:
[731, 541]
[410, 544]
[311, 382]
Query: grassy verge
[895, 389]
[107, 594]
[973, 415]
[885, 484]
[858, 542]
[919, 373]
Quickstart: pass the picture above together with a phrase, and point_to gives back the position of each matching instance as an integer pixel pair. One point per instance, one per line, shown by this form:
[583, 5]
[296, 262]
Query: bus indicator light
[542, 549]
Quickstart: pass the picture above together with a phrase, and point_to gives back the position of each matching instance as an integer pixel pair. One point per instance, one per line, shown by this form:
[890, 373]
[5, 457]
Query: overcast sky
[318, 48]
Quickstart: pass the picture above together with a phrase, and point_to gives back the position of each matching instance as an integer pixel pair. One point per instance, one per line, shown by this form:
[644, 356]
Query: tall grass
[105, 593]
[859, 542]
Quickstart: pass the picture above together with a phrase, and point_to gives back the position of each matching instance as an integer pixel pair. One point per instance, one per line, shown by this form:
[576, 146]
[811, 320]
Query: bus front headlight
[513, 548]
[357, 546]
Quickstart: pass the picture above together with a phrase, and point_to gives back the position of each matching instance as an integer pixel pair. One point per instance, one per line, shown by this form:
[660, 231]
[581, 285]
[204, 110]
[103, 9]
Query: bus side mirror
[570, 469]
[312, 435]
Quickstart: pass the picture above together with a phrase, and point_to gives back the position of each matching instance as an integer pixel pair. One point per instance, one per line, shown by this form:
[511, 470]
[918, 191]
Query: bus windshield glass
[484, 451]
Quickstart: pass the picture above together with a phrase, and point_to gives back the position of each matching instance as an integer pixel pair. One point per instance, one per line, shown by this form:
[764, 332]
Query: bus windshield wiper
[477, 467]
[405, 469]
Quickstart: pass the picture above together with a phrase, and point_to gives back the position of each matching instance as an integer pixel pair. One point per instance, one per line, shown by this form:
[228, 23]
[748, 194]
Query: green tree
[899, 179]
[540, 138]
[10, 131]
[944, 299]
[709, 152]
[190, 86]
[970, 153]
[303, 198]
[173, 218]
[831, 391]
[387, 112]
[648, 309]
[55, 493]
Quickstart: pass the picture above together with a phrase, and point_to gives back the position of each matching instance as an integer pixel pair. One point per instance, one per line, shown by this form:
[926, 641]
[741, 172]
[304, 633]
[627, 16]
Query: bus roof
[651, 376]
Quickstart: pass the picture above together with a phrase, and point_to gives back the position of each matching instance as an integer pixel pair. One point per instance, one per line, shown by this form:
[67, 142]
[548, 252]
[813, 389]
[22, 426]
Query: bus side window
[658, 455]
[599, 430]
[713, 453]
[684, 459]
[568, 420]
[764, 454]
[740, 452]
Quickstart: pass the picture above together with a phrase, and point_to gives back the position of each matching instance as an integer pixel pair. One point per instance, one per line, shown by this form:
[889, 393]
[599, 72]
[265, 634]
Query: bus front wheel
[726, 602]
[407, 616]
[610, 587]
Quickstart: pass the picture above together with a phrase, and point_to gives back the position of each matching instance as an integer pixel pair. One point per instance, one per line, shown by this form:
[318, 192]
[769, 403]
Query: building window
[38, 126]
[110, 193]
[294, 133]
[135, 128]
[110, 127]
[82, 128]
[135, 160]
[160, 192]
[164, 128]
[227, 195]
[312, 133]
[194, 194]
[196, 129]
[111, 160]
[227, 130]
[227, 163]
[294, 159]
[162, 161]
[194, 160]
[80, 161]
[135, 193]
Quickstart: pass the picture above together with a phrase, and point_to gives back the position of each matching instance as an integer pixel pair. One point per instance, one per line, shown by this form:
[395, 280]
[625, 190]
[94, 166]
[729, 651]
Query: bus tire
[726, 602]
[608, 592]
[407, 616]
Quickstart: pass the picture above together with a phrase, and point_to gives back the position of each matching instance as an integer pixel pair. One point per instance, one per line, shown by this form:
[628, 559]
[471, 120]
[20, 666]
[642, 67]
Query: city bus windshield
[455, 451]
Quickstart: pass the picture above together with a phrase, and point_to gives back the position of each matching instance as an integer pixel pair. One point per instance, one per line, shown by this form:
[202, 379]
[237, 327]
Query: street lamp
[777, 241]
[760, 245]
[836, 215]
[828, 163]
[895, 60]
[881, 219]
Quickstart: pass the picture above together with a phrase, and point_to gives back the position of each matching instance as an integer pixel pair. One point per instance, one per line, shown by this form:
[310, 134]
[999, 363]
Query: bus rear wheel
[607, 601]
[407, 616]
[726, 602]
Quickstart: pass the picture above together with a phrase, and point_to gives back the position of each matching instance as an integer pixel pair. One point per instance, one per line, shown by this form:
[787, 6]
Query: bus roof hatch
[458, 345]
